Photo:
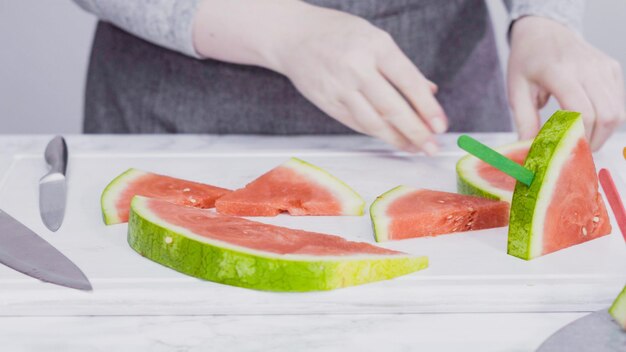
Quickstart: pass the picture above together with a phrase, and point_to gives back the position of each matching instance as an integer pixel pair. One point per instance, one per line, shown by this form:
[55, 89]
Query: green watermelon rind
[618, 309]
[469, 183]
[183, 251]
[112, 192]
[550, 149]
[352, 202]
[378, 211]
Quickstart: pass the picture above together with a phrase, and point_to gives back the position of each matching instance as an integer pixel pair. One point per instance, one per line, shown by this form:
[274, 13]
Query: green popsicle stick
[496, 159]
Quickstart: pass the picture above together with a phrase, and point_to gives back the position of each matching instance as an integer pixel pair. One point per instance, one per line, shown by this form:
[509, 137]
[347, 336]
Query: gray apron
[137, 87]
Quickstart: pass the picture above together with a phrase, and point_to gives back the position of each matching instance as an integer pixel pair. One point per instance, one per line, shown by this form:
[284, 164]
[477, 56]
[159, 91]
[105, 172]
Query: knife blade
[23, 250]
[52, 186]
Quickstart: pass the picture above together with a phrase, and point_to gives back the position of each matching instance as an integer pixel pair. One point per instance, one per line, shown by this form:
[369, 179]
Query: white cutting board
[469, 272]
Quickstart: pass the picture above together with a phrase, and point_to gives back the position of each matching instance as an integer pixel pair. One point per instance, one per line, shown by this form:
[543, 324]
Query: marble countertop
[305, 331]
[397, 332]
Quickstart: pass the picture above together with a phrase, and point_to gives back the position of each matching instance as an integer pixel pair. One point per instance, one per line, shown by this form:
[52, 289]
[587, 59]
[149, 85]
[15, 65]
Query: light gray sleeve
[167, 23]
[567, 12]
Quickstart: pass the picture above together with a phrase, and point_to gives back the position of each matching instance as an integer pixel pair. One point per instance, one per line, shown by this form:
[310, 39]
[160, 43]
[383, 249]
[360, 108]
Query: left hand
[547, 59]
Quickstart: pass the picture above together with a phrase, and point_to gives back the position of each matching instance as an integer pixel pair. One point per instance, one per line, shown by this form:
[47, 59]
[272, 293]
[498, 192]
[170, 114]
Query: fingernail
[430, 148]
[438, 125]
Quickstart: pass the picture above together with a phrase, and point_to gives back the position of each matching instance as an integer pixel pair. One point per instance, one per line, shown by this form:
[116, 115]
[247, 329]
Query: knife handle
[56, 155]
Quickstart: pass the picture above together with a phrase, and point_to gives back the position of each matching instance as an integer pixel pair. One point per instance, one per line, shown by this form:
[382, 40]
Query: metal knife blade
[52, 187]
[23, 250]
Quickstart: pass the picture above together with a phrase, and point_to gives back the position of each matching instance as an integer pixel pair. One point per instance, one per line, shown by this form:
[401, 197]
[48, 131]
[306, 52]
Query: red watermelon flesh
[275, 193]
[405, 212]
[497, 178]
[295, 187]
[117, 196]
[255, 235]
[568, 221]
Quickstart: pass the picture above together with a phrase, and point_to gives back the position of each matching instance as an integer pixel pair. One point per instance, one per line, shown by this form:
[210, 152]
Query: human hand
[350, 69]
[548, 59]
[356, 73]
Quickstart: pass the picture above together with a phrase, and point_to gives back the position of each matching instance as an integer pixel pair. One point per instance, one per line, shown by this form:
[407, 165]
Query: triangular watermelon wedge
[240, 252]
[117, 195]
[405, 212]
[562, 206]
[295, 187]
[618, 309]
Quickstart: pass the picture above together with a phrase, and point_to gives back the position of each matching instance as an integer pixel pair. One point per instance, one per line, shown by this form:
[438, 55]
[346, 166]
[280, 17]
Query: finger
[571, 96]
[434, 88]
[344, 116]
[373, 124]
[393, 108]
[335, 109]
[412, 84]
[525, 110]
[607, 112]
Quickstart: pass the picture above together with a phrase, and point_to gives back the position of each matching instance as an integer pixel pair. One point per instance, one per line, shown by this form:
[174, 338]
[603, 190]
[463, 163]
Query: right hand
[350, 69]
[357, 74]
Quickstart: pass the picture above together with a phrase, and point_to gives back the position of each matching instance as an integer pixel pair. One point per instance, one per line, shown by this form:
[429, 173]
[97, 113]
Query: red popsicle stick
[610, 191]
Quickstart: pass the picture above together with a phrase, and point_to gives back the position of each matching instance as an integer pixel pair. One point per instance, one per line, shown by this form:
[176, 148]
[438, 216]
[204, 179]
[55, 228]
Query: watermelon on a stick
[405, 212]
[240, 252]
[116, 197]
[562, 206]
[295, 187]
[476, 177]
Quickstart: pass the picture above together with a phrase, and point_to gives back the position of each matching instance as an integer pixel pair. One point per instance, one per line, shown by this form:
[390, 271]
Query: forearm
[167, 23]
[247, 31]
[567, 12]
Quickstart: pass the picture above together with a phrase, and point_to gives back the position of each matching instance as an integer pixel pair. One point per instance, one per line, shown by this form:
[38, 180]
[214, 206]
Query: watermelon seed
[441, 201]
[584, 231]
[449, 217]
[596, 219]
[186, 190]
[168, 240]
[470, 209]
[193, 200]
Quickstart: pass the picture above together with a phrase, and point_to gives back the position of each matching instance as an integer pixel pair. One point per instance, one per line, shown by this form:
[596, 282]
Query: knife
[23, 250]
[52, 187]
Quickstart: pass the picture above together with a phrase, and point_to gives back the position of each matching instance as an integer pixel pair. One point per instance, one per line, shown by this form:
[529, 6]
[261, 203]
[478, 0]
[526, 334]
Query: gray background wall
[44, 48]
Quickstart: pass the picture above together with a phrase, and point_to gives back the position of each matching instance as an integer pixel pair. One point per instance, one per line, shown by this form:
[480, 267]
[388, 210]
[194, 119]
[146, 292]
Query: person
[402, 70]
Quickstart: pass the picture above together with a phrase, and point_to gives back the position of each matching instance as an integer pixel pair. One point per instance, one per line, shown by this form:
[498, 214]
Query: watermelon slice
[405, 212]
[240, 252]
[116, 197]
[562, 206]
[618, 309]
[476, 177]
[295, 187]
